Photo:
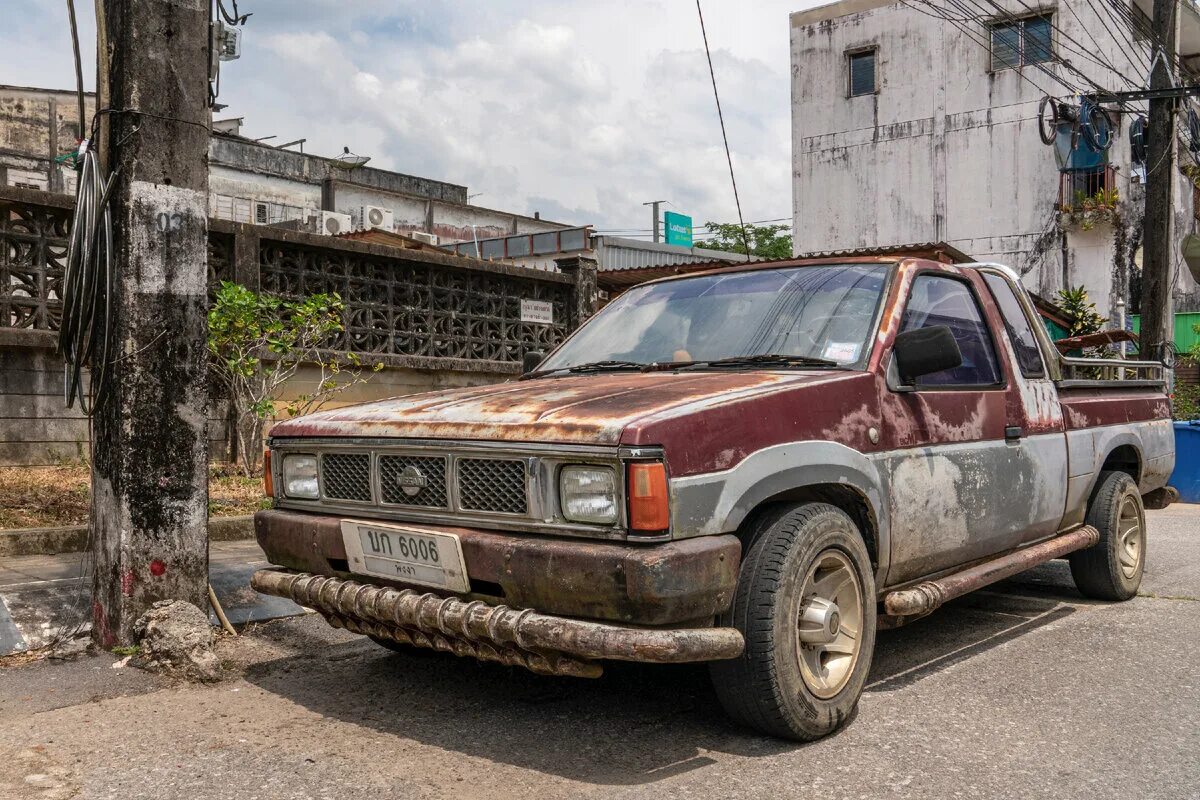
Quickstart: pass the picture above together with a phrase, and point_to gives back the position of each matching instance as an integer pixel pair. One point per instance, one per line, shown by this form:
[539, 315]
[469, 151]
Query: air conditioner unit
[375, 217]
[334, 224]
[427, 238]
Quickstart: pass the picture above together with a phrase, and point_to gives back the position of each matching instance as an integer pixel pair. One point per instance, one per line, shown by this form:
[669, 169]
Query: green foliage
[1088, 209]
[1185, 402]
[257, 342]
[1084, 317]
[126, 650]
[766, 241]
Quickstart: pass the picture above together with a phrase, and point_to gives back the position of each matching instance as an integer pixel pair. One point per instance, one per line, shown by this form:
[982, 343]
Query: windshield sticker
[841, 351]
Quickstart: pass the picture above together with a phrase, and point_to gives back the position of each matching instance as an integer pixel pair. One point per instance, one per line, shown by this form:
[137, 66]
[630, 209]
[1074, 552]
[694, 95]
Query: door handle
[1013, 432]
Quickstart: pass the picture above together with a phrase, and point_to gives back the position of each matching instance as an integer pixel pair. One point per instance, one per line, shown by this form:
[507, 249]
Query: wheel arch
[839, 495]
[809, 471]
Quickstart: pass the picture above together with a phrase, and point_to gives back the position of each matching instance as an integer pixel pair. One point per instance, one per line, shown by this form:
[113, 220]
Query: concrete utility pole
[1157, 250]
[655, 227]
[150, 470]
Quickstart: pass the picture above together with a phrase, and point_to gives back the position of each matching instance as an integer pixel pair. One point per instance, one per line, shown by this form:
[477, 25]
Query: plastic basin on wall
[1186, 477]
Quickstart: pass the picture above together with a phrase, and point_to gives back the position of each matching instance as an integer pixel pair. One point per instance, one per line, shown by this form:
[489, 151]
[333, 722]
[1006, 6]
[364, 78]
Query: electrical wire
[720, 116]
[78, 67]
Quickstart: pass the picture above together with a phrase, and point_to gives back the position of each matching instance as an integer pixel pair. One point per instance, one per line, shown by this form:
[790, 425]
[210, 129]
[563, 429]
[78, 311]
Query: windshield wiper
[591, 366]
[600, 366]
[762, 359]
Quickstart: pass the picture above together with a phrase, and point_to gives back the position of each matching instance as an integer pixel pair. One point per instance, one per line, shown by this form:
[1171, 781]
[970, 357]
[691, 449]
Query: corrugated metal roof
[936, 251]
[617, 253]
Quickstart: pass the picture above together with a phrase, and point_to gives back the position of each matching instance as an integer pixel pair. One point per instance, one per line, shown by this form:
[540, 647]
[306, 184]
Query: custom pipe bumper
[539, 642]
[673, 583]
[928, 595]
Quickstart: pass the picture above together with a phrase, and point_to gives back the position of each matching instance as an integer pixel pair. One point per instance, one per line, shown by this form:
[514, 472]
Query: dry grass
[49, 497]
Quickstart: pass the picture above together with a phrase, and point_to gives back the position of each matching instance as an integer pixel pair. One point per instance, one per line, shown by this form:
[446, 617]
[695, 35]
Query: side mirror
[924, 351]
[531, 360]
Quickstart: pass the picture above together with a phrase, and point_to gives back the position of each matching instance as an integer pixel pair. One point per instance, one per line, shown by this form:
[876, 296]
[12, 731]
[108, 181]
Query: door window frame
[893, 371]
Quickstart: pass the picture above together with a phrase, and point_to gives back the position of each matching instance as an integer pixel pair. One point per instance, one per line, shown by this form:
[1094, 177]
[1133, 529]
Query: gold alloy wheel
[1131, 537]
[830, 624]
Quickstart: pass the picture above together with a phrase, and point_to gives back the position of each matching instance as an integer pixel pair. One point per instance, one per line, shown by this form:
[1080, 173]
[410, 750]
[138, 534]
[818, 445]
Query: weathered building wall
[37, 126]
[948, 150]
[36, 427]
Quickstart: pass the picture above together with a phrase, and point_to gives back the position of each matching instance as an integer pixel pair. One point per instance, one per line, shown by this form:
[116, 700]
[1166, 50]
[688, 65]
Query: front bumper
[682, 582]
[540, 642]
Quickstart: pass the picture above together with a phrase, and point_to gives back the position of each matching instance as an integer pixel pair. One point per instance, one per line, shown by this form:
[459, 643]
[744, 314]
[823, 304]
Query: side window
[935, 300]
[1024, 342]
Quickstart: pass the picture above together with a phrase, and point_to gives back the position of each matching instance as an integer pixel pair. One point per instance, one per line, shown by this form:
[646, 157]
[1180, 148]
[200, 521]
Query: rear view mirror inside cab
[924, 351]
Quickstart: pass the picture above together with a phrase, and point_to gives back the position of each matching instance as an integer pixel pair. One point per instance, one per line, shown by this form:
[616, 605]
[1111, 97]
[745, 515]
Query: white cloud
[582, 110]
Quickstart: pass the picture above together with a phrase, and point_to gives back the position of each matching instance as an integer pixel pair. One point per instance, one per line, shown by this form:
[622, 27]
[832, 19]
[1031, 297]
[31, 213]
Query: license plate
[405, 554]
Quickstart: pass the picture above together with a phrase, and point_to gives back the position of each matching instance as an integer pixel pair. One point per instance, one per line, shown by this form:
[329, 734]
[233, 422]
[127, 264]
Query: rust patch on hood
[583, 409]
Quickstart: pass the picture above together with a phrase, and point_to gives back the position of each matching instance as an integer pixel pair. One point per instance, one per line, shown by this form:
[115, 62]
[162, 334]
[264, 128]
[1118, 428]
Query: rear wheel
[1113, 568]
[806, 604]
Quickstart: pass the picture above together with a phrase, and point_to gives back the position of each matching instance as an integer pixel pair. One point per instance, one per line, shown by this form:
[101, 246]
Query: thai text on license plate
[405, 554]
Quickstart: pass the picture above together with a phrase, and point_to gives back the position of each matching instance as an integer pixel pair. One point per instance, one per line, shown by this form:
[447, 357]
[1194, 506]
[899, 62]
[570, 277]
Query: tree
[257, 342]
[766, 241]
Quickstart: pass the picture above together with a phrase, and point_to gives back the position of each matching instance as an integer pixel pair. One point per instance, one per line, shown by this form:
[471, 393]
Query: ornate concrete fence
[432, 320]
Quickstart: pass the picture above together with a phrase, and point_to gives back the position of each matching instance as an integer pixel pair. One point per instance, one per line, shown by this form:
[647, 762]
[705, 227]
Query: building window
[1021, 42]
[862, 72]
[260, 213]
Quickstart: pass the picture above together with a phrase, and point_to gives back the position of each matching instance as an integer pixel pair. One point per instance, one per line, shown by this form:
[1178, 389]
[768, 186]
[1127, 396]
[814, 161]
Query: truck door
[957, 486]
[1034, 430]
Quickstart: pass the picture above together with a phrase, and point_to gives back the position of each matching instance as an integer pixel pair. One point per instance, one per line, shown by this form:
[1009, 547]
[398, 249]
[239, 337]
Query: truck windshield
[819, 312]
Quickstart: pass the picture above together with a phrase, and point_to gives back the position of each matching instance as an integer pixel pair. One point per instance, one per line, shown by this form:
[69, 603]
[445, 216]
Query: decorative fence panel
[418, 309]
[455, 320]
[33, 253]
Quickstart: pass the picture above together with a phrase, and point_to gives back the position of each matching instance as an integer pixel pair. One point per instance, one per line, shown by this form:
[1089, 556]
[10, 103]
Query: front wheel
[805, 603]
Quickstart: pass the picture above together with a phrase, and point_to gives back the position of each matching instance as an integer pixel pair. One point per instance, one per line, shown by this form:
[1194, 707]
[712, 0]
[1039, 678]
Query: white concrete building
[910, 128]
[254, 182]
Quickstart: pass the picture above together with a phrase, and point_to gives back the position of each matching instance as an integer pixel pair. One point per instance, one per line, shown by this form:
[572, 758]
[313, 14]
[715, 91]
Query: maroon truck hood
[583, 409]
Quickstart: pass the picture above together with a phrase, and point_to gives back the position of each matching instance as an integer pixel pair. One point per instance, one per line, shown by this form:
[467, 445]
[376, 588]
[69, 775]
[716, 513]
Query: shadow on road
[635, 725]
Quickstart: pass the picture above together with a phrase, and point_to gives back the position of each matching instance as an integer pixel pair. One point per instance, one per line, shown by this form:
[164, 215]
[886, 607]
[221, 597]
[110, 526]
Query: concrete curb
[73, 539]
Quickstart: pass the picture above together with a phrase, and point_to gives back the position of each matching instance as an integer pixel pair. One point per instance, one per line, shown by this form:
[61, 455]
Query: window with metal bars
[861, 66]
[1021, 42]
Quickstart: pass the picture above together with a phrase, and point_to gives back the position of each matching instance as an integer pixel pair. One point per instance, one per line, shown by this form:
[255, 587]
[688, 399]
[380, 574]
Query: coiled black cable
[86, 334]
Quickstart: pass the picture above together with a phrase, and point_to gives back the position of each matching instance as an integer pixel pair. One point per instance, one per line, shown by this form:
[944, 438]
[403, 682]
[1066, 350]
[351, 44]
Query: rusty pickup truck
[755, 467]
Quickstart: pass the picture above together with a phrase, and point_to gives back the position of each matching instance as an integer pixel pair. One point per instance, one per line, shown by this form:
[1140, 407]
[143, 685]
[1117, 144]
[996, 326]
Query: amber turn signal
[268, 480]
[648, 506]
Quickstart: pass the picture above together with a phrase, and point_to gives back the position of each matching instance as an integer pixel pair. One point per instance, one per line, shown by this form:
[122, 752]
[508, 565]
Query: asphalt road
[1024, 690]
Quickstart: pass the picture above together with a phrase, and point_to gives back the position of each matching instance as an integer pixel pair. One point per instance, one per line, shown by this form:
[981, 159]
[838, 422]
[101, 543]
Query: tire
[1112, 569]
[799, 554]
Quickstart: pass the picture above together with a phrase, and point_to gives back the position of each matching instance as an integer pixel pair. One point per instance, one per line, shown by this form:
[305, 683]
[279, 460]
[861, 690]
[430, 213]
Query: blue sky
[579, 110]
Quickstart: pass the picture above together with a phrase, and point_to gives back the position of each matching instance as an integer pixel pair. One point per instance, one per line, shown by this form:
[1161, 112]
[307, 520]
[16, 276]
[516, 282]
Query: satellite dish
[1191, 255]
[348, 160]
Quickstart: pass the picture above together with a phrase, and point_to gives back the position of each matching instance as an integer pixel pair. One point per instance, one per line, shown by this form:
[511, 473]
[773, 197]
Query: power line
[721, 117]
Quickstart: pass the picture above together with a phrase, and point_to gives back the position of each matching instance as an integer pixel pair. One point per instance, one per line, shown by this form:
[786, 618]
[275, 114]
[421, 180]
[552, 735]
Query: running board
[928, 595]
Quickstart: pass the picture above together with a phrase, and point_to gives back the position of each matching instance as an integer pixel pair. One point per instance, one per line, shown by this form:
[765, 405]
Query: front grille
[432, 469]
[347, 476]
[491, 484]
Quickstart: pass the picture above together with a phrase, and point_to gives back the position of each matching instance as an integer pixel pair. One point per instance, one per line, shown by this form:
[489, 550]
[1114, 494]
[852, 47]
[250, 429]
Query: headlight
[300, 477]
[588, 494]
